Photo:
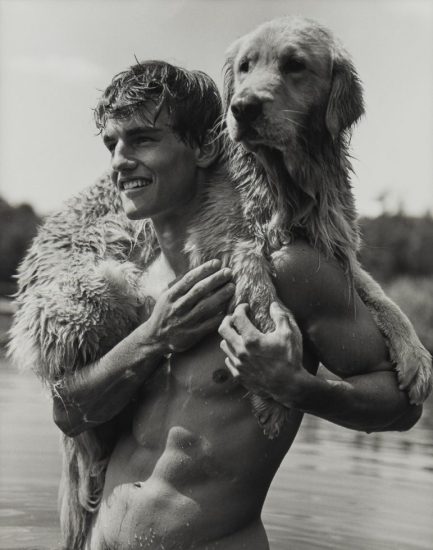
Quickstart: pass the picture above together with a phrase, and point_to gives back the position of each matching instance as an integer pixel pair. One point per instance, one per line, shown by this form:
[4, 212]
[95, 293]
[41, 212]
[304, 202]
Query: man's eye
[293, 65]
[139, 140]
[244, 66]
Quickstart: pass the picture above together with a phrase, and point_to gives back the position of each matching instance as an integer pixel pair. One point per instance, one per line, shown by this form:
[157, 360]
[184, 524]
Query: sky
[57, 55]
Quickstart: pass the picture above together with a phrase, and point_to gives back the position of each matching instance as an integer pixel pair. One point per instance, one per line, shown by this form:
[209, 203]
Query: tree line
[397, 246]
[394, 245]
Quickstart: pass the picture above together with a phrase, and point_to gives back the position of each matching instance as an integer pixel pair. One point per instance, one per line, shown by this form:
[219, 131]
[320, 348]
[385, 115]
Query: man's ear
[345, 104]
[207, 153]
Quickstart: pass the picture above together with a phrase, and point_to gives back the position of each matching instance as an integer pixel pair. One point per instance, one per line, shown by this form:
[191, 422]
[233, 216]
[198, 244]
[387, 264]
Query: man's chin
[132, 211]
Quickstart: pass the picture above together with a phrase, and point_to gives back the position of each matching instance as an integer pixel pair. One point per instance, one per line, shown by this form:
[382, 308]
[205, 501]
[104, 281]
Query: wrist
[154, 347]
[150, 341]
[294, 394]
[140, 353]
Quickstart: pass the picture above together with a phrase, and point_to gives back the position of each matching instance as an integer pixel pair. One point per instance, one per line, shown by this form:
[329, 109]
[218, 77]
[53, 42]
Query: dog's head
[289, 80]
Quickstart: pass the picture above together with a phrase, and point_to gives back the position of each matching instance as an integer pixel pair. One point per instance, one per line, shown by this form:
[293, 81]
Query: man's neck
[172, 240]
[172, 232]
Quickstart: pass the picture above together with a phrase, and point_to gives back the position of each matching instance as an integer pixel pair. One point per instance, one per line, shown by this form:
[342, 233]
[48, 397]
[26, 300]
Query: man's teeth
[133, 184]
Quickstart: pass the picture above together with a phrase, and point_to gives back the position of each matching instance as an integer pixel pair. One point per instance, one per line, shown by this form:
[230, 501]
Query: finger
[210, 305]
[187, 281]
[232, 305]
[206, 327]
[228, 333]
[229, 351]
[206, 287]
[174, 281]
[234, 371]
[240, 320]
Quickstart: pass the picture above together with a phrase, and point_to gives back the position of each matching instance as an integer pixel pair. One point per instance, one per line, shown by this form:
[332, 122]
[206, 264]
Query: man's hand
[268, 363]
[192, 307]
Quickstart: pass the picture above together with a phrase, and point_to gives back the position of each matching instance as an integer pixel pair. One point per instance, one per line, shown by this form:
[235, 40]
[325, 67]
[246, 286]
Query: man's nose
[121, 160]
[247, 109]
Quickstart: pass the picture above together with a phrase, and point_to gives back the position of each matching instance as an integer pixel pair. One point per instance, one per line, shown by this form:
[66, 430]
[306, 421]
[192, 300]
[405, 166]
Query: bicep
[346, 340]
[334, 321]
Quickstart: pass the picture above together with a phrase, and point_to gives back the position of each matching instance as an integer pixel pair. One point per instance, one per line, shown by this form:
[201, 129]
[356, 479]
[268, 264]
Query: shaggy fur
[65, 318]
[80, 284]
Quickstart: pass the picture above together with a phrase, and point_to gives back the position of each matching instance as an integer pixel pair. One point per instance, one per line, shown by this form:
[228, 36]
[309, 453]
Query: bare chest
[194, 390]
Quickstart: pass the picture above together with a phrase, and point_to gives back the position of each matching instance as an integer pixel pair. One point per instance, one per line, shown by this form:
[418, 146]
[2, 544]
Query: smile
[135, 184]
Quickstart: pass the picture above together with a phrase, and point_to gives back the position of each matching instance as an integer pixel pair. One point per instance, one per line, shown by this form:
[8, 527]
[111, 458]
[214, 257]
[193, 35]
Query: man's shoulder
[307, 281]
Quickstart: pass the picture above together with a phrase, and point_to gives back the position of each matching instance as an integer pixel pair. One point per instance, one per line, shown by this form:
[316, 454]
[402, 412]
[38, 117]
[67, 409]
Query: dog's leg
[252, 275]
[413, 362]
[254, 285]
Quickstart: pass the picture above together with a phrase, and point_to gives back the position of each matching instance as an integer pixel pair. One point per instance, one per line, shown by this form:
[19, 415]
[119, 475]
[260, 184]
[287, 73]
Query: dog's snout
[247, 109]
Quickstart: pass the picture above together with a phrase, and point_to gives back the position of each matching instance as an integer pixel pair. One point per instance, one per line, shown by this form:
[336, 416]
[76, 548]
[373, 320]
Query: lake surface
[336, 489]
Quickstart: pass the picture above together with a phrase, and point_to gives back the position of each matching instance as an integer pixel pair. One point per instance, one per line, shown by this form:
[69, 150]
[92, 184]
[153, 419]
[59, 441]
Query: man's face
[155, 171]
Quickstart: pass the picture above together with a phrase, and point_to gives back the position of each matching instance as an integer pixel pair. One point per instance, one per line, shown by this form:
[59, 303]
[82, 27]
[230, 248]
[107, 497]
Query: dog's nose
[246, 109]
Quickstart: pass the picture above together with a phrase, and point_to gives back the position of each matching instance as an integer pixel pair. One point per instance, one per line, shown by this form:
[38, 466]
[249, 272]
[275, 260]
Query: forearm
[367, 402]
[98, 392]
[184, 313]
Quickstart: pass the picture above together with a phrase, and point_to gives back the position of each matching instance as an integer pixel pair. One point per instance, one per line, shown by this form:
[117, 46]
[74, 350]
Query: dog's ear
[345, 103]
[229, 74]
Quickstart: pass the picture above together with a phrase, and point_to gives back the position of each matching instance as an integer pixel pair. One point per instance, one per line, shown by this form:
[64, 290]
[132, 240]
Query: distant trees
[18, 226]
[398, 251]
[397, 245]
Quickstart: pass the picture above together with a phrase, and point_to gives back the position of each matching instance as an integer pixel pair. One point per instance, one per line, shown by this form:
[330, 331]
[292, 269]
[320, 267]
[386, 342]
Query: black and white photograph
[216, 274]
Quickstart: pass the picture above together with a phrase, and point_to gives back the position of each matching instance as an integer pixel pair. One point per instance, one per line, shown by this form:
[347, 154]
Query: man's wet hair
[191, 98]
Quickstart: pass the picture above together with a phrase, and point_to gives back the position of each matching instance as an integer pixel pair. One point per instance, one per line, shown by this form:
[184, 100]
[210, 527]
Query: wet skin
[194, 444]
[193, 470]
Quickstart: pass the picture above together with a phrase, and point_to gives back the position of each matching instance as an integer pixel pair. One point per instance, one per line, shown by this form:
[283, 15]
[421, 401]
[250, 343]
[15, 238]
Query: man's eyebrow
[132, 132]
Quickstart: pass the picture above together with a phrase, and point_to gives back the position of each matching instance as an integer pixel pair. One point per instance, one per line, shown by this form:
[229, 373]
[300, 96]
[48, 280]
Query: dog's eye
[244, 66]
[293, 65]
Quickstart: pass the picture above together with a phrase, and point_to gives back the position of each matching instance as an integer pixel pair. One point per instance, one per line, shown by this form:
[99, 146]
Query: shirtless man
[193, 470]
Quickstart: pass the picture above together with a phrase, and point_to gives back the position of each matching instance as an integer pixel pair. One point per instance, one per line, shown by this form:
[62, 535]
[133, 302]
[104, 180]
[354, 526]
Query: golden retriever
[291, 97]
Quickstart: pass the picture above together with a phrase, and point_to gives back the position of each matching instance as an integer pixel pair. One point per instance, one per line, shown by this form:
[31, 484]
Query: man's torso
[194, 470]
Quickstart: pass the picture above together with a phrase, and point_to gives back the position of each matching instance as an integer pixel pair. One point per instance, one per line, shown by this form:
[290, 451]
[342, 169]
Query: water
[336, 489]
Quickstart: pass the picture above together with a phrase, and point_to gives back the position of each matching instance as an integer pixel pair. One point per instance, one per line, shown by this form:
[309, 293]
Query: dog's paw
[415, 373]
[421, 384]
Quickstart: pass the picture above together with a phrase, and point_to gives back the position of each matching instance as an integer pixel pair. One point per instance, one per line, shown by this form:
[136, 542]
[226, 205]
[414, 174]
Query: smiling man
[190, 467]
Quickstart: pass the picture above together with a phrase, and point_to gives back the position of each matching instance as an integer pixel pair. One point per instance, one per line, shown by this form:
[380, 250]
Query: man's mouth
[136, 183]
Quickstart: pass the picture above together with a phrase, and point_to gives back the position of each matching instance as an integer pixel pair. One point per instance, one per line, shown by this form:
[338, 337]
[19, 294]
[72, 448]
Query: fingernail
[227, 271]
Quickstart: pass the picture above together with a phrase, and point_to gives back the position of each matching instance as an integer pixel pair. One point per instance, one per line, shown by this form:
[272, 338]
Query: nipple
[220, 376]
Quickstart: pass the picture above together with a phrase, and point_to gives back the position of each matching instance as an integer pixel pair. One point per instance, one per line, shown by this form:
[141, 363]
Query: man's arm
[96, 393]
[183, 314]
[339, 330]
